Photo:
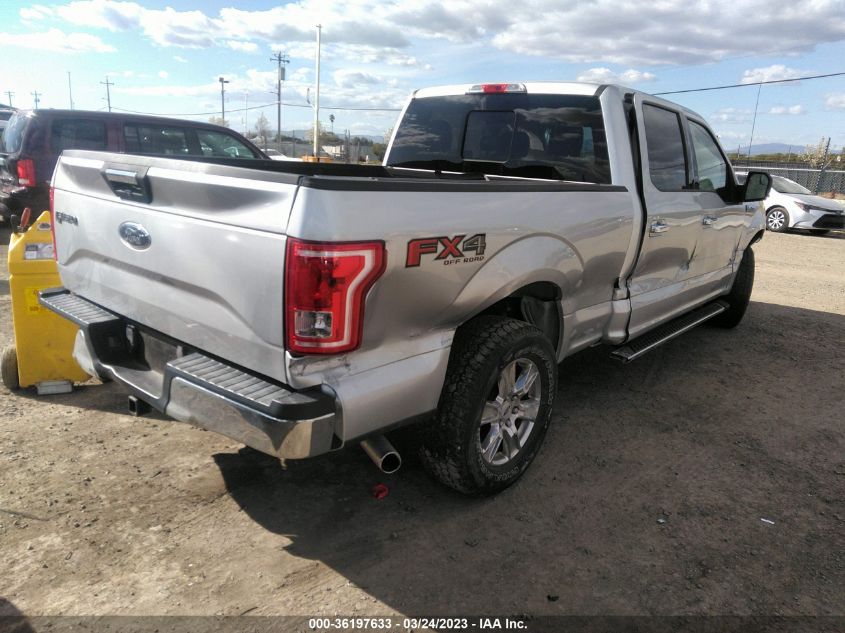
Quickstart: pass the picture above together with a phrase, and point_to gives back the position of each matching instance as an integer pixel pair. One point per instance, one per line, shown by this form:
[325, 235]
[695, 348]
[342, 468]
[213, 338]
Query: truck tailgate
[193, 250]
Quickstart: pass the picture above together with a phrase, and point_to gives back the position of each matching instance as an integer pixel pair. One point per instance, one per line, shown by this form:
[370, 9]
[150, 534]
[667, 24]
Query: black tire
[483, 352]
[777, 220]
[9, 368]
[740, 293]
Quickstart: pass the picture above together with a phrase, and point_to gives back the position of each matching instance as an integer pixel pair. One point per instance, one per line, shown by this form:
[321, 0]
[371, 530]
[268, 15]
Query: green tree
[379, 149]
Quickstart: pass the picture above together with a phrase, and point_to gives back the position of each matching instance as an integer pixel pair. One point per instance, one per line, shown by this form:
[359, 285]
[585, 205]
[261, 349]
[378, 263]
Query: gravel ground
[706, 478]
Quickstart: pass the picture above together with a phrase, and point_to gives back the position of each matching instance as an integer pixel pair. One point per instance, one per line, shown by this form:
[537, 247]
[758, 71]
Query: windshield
[785, 185]
[13, 134]
[536, 136]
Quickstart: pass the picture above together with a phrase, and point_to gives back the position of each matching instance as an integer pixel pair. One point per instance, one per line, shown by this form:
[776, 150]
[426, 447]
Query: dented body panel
[209, 276]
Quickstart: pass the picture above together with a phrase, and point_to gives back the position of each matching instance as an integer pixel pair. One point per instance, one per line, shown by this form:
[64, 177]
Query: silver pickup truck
[299, 307]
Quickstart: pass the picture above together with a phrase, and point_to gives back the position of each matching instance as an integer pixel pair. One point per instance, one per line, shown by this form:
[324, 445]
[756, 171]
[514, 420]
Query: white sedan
[791, 206]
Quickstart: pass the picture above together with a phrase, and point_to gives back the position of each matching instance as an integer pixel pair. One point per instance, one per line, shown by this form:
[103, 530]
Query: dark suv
[33, 140]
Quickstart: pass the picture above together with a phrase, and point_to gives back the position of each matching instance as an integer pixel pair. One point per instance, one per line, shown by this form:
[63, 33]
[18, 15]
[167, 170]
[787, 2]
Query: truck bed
[213, 275]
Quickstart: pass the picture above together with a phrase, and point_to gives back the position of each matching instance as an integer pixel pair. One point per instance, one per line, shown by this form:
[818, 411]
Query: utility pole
[70, 90]
[223, 83]
[10, 94]
[281, 59]
[317, 101]
[246, 111]
[108, 84]
[36, 94]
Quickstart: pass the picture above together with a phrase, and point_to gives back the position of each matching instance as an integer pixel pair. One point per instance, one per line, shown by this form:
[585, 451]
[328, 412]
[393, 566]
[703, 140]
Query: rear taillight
[53, 221]
[26, 172]
[325, 287]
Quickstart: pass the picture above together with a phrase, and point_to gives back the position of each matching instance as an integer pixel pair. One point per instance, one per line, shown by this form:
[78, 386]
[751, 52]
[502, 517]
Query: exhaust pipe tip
[384, 455]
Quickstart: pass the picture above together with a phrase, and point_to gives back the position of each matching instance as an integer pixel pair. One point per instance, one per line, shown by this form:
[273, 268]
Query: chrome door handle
[657, 227]
[709, 220]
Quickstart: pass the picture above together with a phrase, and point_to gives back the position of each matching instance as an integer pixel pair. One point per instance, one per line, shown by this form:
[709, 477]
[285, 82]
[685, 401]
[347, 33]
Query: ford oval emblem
[135, 236]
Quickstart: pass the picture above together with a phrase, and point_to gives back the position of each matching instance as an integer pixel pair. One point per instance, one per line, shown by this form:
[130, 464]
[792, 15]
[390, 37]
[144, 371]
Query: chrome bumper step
[106, 334]
[647, 342]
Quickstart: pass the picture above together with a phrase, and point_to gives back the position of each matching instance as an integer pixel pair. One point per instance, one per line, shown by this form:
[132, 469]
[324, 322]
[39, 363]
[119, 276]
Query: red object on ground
[380, 491]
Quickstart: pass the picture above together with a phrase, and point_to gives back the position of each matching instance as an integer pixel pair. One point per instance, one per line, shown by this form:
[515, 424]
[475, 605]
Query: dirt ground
[648, 498]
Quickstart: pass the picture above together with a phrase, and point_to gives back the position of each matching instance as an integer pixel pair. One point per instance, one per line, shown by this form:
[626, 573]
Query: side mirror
[757, 186]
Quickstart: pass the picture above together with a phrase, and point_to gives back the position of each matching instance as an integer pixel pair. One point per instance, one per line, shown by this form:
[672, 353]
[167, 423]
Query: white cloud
[792, 110]
[180, 59]
[636, 33]
[58, 41]
[607, 76]
[666, 32]
[776, 72]
[346, 78]
[836, 102]
[246, 47]
[35, 12]
[729, 135]
[104, 14]
[732, 115]
[163, 74]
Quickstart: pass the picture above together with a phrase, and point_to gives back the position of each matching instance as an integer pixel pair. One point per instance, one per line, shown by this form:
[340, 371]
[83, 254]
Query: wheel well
[538, 304]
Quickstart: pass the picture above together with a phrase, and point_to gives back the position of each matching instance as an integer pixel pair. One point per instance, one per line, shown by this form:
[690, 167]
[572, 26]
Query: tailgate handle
[128, 184]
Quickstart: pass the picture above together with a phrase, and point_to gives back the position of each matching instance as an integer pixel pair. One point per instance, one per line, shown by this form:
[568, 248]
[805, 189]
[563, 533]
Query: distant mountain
[772, 148]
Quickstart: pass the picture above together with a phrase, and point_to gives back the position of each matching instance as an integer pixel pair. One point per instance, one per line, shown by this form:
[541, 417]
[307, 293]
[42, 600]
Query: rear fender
[542, 258]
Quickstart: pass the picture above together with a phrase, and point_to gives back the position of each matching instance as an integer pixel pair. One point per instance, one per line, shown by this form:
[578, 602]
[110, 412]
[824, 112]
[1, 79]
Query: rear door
[674, 217]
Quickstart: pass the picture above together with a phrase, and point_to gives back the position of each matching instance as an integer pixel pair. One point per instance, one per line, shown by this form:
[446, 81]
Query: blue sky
[165, 57]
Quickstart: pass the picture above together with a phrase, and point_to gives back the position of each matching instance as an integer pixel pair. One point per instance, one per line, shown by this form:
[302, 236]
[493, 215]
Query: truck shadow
[645, 471]
[12, 620]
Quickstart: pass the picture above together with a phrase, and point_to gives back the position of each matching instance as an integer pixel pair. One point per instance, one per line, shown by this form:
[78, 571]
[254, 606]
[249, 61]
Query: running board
[667, 332]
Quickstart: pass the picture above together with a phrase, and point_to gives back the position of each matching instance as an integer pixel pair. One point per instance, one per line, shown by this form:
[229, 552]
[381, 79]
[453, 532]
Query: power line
[264, 105]
[754, 83]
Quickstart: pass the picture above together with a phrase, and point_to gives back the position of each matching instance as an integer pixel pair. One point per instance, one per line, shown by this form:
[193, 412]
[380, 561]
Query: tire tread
[475, 347]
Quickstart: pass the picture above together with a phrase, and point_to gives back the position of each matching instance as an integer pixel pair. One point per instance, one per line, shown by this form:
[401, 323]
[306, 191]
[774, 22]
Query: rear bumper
[192, 387]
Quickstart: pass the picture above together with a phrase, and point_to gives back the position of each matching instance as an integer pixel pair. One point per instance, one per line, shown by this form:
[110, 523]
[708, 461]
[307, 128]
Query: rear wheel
[495, 406]
[777, 219]
[9, 368]
[740, 293]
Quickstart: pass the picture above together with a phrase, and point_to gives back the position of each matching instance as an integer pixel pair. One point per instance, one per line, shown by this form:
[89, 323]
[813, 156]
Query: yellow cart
[42, 353]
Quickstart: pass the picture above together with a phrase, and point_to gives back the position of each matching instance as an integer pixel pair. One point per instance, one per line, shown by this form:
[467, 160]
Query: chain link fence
[827, 181]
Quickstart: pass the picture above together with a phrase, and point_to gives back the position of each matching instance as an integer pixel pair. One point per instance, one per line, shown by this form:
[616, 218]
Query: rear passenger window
[77, 134]
[712, 166]
[220, 144]
[154, 139]
[666, 157]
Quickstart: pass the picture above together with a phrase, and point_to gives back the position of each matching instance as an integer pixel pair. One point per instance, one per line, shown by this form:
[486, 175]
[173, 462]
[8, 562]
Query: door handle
[657, 227]
[709, 220]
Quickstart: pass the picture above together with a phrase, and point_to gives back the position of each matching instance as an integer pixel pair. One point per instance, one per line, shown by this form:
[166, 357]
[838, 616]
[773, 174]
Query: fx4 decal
[449, 250]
